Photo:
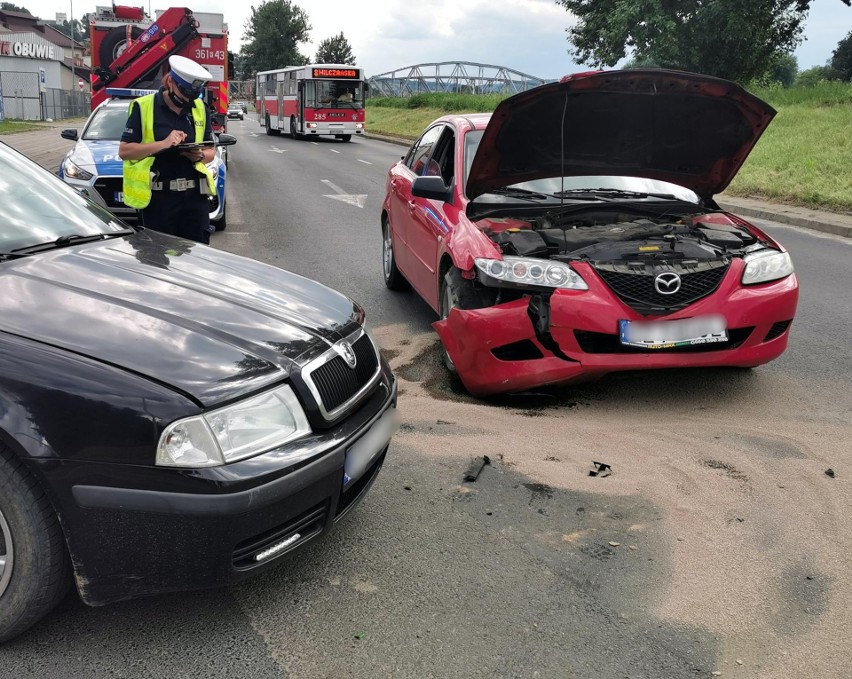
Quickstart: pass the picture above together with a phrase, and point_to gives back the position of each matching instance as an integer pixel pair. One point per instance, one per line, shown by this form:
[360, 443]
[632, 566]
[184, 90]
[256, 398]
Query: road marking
[357, 200]
[254, 134]
[366, 162]
[275, 149]
[334, 151]
[315, 143]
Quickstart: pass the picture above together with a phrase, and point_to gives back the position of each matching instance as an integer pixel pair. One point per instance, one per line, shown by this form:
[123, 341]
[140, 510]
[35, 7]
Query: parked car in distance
[235, 111]
[94, 167]
[573, 232]
[243, 105]
[175, 417]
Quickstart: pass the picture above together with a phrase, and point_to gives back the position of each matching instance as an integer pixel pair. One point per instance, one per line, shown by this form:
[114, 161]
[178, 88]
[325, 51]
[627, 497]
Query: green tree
[811, 77]
[272, 34]
[841, 58]
[335, 50]
[784, 69]
[726, 38]
[10, 7]
[73, 29]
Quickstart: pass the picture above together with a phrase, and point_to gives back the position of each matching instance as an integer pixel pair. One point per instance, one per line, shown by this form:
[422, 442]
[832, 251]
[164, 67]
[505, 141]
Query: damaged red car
[573, 232]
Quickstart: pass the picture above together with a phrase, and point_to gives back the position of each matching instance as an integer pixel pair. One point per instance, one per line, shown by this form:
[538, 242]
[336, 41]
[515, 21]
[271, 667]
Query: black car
[172, 416]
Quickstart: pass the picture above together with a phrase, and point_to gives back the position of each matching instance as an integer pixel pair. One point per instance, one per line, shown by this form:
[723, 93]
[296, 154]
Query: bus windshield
[334, 94]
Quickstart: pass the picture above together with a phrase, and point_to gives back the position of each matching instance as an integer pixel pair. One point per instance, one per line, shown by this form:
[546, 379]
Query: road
[718, 544]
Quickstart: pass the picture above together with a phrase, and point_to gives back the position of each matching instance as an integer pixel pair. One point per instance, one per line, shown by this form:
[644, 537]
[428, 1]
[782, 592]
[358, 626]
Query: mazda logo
[667, 283]
[344, 350]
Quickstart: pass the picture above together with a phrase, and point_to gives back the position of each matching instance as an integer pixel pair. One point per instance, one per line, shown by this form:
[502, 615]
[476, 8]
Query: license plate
[670, 334]
[119, 196]
[361, 454]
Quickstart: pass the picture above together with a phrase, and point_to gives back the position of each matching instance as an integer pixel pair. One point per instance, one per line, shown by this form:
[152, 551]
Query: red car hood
[688, 129]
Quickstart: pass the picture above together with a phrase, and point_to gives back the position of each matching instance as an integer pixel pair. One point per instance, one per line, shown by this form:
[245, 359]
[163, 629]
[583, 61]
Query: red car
[573, 233]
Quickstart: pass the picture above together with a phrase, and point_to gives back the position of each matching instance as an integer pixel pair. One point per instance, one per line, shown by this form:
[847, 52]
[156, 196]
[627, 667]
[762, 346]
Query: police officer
[169, 185]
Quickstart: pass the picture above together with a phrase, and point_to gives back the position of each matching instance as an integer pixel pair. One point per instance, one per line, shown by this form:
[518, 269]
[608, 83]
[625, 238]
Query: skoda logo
[667, 283]
[344, 350]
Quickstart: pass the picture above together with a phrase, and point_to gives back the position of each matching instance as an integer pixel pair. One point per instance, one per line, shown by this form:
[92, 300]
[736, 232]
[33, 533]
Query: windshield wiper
[71, 239]
[613, 192]
[514, 192]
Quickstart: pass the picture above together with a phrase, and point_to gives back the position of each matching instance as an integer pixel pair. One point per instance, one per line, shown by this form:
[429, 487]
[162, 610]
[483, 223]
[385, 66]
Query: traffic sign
[81, 84]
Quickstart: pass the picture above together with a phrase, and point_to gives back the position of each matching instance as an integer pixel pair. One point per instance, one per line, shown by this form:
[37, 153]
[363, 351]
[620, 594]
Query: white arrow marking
[254, 134]
[357, 200]
[275, 149]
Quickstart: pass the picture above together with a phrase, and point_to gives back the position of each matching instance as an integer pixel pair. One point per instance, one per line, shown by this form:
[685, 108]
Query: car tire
[35, 572]
[293, 132]
[114, 44]
[450, 284]
[394, 279]
[346, 137]
[269, 129]
[222, 223]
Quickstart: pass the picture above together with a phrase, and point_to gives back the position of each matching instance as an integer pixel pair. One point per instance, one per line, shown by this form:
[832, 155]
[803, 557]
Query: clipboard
[195, 145]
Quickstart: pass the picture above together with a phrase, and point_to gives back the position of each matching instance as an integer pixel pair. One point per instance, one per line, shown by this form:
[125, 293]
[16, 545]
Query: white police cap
[188, 74]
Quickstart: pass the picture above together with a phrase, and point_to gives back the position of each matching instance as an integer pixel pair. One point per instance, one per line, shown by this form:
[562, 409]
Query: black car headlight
[517, 272]
[235, 432]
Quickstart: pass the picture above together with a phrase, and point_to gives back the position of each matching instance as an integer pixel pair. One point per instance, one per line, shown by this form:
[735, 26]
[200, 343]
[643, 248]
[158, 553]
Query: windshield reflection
[38, 207]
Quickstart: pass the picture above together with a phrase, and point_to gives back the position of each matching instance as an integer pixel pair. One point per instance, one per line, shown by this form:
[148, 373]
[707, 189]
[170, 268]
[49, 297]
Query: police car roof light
[123, 92]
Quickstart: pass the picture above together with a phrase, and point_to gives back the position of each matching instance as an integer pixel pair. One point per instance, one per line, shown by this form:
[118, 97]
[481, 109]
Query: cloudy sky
[523, 35]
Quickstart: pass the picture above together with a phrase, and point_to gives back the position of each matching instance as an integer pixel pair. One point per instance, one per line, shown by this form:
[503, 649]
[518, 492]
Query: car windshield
[106, 123]
[565, 185]
[38, 207]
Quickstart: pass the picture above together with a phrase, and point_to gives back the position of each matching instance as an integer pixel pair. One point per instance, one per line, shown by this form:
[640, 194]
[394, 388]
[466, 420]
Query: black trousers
[185, 214]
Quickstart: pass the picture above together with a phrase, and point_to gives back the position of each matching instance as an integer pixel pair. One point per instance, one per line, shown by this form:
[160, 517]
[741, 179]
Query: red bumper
[584, 327]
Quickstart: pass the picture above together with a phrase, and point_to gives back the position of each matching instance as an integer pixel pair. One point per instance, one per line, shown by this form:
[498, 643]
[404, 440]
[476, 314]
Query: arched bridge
[451, 76]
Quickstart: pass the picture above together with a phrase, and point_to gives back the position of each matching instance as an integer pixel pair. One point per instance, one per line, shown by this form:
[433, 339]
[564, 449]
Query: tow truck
[130, 50]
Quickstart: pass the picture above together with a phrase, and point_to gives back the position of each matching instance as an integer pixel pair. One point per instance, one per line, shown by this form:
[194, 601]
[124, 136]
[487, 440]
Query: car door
[401, 203]
[429, 225]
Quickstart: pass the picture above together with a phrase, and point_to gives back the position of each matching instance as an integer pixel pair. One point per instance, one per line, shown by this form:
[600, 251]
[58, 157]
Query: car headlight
[234, 432]
[766, 265]
[75, 172]
[519, 271]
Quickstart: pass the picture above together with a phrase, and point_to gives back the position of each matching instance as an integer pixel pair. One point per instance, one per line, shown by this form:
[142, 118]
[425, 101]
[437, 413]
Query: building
[43, 73]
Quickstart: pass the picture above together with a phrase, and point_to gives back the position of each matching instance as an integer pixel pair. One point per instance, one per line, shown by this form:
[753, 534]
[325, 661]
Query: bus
[312, 100]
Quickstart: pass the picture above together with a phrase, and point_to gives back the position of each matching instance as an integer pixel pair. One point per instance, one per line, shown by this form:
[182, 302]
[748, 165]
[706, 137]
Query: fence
[22, 100]
[241, 90]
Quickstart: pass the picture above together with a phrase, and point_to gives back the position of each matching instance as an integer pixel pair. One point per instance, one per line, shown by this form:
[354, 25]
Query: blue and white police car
[93, 167]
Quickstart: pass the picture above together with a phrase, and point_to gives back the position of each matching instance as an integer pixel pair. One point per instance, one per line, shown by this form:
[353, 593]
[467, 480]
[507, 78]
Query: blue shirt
[169, 164]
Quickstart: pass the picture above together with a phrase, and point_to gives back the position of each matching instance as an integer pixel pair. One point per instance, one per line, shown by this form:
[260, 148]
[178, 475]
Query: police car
[93, 167]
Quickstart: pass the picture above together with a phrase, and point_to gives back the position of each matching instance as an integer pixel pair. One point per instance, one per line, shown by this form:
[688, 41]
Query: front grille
[336, 382]
[306, 526]
[108, 187]
[635, 287]
[777, 330]
[604, 343]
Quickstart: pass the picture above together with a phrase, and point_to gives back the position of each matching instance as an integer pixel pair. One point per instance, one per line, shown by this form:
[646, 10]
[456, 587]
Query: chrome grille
[635, 287]
[335, 384]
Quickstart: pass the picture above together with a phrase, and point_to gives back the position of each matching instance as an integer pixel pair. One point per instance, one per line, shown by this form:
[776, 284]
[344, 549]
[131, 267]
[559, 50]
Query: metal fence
[21, 99]
[241, 90]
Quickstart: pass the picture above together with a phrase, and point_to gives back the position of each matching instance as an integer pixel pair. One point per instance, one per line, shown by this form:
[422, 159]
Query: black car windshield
[38, 207]
[106, 123]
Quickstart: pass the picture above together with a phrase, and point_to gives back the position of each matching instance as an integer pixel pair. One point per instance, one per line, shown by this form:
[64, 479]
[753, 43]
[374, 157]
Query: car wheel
[115, 42]
[394, 279]
[449, 299]
[34, 565]
[346, 137]
[222, 223]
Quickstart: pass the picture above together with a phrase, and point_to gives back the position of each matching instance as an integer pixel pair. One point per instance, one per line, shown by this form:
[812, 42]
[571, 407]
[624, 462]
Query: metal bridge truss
[451, 76]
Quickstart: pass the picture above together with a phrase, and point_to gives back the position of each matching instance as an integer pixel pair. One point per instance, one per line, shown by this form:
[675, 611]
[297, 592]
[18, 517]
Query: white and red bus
[312, 100]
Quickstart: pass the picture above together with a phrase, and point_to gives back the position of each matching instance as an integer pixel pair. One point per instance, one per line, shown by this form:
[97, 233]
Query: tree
[811, 77]
[272, 34]
[9, 7]
[841, 58]
[74, 30]
[783, 70]
[335, 50]
[726, 38]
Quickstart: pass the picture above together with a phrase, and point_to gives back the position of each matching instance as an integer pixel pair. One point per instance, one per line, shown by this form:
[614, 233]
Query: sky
[387, 35]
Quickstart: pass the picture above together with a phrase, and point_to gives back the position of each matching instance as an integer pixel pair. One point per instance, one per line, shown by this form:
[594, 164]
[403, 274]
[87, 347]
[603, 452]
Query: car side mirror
[431, 187]
[70, 133]
[226, 140]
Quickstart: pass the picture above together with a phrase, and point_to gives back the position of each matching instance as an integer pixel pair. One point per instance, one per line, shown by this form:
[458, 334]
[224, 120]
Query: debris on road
[601, 469]
[475, 468]
[829, 472]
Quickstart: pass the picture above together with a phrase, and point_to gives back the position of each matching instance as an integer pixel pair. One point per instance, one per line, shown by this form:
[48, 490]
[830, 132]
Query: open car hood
[688, 129]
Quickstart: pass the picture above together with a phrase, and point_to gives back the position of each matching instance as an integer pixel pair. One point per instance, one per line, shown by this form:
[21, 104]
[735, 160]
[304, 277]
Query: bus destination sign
[345, 73]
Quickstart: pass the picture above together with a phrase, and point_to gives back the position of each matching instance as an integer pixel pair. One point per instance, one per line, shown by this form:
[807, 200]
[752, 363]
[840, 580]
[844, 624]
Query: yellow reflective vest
[137, 173]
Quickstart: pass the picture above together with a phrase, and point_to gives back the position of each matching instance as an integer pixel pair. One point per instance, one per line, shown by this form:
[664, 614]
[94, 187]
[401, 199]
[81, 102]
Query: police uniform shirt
[168, 164]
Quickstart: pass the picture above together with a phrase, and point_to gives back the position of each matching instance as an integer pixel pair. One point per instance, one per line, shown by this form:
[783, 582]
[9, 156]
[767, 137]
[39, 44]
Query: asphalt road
[718, 544]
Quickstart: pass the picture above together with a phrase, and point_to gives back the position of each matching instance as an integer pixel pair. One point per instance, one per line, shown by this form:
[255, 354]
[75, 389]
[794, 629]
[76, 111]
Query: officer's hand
[195, 155]
[175, 137]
